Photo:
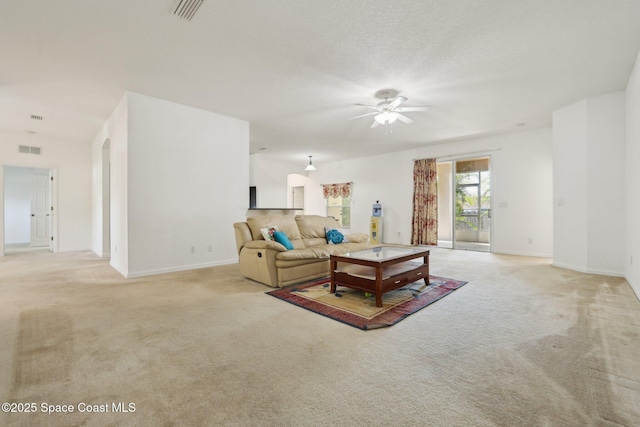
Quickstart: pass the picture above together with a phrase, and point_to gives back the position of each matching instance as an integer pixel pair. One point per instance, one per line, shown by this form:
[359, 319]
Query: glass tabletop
[384, 253]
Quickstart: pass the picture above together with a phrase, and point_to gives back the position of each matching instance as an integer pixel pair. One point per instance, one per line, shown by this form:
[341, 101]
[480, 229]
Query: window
[340, 208]
[338, 202]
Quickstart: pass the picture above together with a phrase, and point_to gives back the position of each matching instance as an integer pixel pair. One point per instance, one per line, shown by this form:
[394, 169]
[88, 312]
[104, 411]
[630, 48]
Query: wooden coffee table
[380, 269]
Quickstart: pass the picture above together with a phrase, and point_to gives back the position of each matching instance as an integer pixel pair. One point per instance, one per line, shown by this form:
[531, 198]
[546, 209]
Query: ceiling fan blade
[399, 100]
[404, 119]
[368, 106]
[363, 115]
[407, 109]
[374, 125]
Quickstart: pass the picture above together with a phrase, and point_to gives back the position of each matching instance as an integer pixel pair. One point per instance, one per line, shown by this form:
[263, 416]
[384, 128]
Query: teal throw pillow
[334, 236]
[283, 239]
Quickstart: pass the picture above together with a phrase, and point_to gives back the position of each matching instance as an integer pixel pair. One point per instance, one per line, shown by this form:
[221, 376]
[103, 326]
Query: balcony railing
[470, 222]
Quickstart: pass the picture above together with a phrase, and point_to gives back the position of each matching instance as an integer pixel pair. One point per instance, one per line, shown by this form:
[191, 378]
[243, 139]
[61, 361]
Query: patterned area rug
[358, 309]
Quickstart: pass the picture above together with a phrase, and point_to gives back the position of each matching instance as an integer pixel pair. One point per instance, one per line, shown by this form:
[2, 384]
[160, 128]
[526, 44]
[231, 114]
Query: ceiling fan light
[386, 117]
[381, 118]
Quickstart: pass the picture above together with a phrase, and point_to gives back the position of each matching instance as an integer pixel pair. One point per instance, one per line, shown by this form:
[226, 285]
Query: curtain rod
[339, 183]
[465, 154]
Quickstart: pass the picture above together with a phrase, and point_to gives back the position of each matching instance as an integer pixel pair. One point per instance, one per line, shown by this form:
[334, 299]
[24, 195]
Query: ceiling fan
[389, 110]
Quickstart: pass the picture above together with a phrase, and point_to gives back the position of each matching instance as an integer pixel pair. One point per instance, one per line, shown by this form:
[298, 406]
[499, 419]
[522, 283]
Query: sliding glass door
[464, 204]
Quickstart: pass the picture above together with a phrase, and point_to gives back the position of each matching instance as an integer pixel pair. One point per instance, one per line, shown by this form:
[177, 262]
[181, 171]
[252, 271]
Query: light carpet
[528, 344]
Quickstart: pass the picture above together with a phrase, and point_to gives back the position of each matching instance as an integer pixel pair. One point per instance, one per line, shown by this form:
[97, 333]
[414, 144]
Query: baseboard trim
[634, 287]
[73, 250]
[535, 255]
[590, 271]
[103, 255]
[179, 268]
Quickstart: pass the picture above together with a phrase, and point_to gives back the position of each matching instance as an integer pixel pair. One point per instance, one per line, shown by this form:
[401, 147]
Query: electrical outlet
[210, 248]
[530, 240]
[631, 259]
[193, 249]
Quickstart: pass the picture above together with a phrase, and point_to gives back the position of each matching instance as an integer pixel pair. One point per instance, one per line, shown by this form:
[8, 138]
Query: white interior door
[40, 211]
[52, 230]
[297, 197]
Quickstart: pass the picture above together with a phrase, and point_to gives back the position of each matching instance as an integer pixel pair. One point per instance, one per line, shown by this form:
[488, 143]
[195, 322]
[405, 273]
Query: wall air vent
[29, 150]
[186, 9]
[35, 117]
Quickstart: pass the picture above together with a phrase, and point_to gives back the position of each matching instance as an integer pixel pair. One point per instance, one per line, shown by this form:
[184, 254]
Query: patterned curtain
[424, 226]
[336, 190]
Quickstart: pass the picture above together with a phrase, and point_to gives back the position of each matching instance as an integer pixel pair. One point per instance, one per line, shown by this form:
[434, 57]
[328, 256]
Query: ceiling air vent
[186, 9]
[35, 117]
[29, 150]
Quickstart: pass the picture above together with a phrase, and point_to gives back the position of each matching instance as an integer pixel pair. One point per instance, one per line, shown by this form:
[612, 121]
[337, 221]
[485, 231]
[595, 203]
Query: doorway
[297, 198]
[28, 221]
[464, 204]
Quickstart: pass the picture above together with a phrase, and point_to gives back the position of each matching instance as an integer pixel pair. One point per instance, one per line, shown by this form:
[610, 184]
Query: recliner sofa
[270, 263]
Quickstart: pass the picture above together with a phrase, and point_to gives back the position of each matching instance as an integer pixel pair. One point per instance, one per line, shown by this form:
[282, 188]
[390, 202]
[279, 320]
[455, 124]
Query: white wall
[187, 183]
[270, 179]
[632, 179]
[179, 179]
[373, 179]
[606, 177]
[589, 165]
[106, 198]
[570, 186]
[71, 163]
[115, 130]
[314, 202]
[311, 191]
[521, 179]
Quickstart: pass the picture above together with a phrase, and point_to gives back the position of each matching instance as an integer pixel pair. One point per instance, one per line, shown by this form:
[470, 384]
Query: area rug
[358, 309]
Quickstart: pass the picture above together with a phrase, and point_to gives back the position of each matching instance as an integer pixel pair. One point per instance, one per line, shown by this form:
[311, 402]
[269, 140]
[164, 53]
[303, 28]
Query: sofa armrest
[243, 234]
[265, 244]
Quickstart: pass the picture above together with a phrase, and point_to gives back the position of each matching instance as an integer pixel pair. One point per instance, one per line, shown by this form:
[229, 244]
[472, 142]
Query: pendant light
[310, 166]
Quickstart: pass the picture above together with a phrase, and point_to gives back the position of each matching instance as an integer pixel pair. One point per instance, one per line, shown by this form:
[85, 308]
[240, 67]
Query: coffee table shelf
[380, 269]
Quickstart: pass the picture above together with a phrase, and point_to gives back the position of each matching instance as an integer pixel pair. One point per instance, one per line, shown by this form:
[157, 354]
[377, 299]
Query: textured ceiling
[295, 68]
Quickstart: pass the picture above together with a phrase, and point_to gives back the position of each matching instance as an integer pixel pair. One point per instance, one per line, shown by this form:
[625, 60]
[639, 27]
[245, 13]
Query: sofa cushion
[312, 226]
[314, 241]
[289, 263]
[342, 248]
[285, 223]
[357, 238]
[308, 253]
[265, 244]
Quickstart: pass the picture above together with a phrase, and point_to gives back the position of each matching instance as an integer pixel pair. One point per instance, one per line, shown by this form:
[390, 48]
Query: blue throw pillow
[282, 238]
[334, 236]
